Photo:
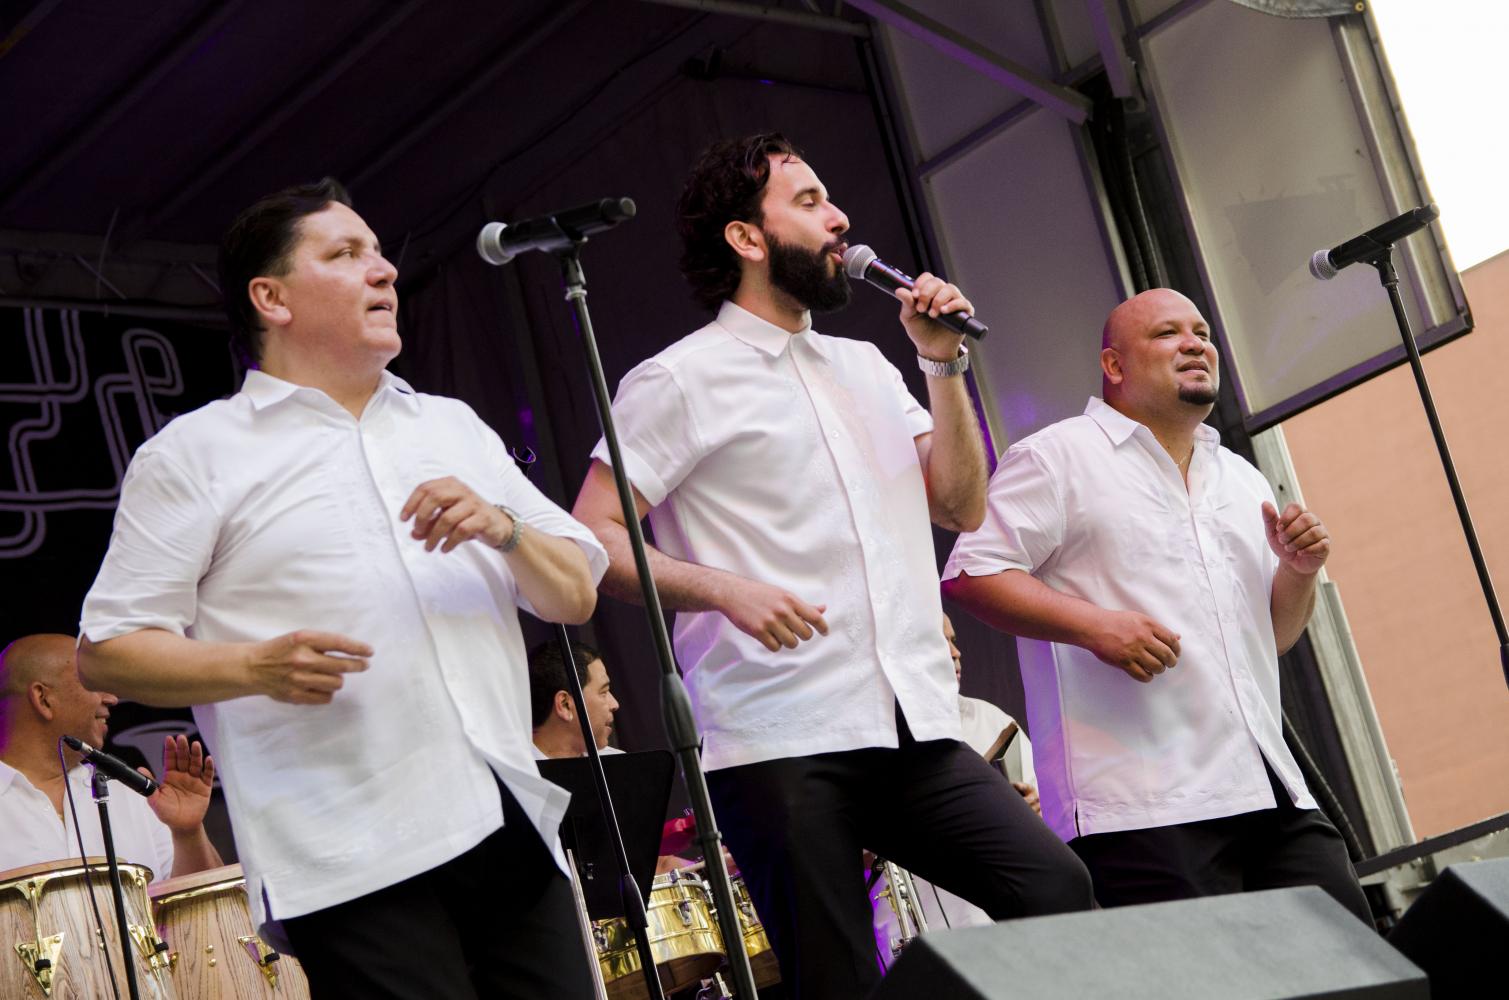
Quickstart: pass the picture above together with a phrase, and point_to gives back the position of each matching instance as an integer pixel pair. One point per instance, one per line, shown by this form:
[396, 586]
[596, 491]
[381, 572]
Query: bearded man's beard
[1199, 395]
[804, 276]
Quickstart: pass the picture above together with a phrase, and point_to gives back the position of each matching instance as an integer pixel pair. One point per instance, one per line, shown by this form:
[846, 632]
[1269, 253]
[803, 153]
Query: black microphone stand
[1383, 261]
[628, 888]
[675, 703]
[99, 788]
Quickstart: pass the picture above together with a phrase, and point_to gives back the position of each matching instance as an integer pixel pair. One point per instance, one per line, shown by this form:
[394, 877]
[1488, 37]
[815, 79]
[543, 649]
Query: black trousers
[798, 827]
[498, 921]
[1267, 849]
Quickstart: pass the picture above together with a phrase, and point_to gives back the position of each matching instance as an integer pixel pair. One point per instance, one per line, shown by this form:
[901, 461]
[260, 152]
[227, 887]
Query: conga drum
[47, 928]
[215, 951]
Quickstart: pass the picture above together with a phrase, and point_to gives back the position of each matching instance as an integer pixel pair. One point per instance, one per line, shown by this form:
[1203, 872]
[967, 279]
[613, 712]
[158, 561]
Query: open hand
[188, 778]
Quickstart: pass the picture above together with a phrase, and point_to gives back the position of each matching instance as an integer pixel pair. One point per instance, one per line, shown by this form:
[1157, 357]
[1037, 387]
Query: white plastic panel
[1274, 164]
[946, 101]
[1021, 238]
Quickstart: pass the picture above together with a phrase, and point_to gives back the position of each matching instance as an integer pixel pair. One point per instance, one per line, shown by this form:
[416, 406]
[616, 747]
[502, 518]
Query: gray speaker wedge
[1458, 929]
[1279, 944]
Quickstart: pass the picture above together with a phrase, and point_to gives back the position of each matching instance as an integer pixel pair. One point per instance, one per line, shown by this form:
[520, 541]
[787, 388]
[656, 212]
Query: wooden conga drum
[215, 951]
[49, 944]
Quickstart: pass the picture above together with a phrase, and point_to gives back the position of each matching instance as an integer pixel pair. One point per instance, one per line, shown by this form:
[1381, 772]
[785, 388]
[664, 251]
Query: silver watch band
[512, 541]
[946, 369]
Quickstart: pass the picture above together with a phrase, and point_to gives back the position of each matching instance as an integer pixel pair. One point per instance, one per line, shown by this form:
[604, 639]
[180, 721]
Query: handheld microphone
[1325, 263]
[860, 262]
[499, 243]
[114, 767]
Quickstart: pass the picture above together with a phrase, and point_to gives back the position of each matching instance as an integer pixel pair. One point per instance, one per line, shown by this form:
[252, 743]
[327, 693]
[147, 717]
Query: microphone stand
[1383, 261]
[99, 788]
[675, 704]
[628, 888]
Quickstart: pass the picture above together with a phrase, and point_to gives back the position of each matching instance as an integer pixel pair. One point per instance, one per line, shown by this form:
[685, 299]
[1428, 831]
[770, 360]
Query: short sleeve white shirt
[276, 510]
[33, 833]
[1096, 509]
[791, 459]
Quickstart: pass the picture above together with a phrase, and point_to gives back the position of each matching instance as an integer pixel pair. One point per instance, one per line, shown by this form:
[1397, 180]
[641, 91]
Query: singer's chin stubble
[805, 276]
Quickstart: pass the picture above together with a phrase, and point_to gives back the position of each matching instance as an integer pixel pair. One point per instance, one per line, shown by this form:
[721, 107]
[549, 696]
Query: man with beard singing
[790, 479]
[1153, 583]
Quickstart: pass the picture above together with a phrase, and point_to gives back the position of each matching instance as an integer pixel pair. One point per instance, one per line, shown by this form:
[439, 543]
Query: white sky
[1450, 59]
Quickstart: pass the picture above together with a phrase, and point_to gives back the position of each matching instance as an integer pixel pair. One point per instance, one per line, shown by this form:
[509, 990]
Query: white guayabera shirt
[31, 833]
[791, 459]
[1095, 508]
[276, 510]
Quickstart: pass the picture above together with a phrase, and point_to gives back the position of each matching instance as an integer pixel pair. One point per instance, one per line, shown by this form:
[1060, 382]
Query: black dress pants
[497, 921]
[797, 827]
[1266, 849]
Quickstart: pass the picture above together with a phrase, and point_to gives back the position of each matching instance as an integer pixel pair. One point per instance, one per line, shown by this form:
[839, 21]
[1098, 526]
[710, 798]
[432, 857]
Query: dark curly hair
[260, 243]
[726, 185]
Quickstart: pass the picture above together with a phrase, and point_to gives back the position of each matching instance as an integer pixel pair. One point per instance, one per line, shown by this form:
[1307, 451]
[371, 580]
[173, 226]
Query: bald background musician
[1153, 583]
[42, 700]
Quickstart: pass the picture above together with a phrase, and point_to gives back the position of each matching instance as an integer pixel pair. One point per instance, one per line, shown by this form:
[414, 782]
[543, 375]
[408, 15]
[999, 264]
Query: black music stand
[640, 784]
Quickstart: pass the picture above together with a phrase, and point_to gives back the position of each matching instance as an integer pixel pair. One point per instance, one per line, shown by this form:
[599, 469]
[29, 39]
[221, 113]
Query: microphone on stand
[113, 767]
[861, 263]
[499, 242]
[1325, 263]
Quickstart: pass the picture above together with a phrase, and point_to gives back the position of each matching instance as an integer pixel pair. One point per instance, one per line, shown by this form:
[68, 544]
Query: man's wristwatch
[512, 541]
[946, 369]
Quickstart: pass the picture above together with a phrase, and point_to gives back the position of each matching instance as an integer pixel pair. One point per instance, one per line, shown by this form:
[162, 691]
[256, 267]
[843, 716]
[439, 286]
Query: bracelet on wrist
[512, 541]
[945, 369]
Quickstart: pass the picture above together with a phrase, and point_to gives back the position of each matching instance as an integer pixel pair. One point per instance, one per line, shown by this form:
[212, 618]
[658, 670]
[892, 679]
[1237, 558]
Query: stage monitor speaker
[1282, 943]
[1456, 931]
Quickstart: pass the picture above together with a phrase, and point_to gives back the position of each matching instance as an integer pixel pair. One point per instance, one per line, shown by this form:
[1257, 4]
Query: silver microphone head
[856, 259]
[1320, 265]
[489, 244]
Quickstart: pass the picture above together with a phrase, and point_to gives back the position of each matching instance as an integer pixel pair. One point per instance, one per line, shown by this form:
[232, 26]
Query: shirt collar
[763, 336]
[266, 390]
[9, 776]
[1119, 427]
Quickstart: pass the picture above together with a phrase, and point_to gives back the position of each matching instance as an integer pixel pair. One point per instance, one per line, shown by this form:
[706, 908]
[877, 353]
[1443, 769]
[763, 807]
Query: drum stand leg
[589, 943]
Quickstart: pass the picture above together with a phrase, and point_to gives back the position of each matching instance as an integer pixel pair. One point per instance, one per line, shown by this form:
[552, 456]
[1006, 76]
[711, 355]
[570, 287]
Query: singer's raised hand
[188, 778]
[299, 667]
[921, 305]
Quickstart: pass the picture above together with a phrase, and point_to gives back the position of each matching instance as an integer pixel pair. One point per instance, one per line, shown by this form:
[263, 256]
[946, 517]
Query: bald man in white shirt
[329, 567]
[41, 701]
[791, 480]
[1152, 583]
